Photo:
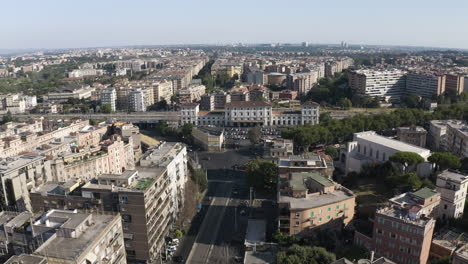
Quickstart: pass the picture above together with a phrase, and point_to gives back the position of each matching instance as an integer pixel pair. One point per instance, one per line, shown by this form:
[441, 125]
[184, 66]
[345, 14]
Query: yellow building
[210, 139]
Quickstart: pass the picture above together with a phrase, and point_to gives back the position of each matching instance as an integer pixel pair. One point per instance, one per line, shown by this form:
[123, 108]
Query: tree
[305, 254]
[444, 160]
[411, 101]
[406, 159]
[174, 99]
[262, 174]
[7, 118]
[199, 176]
[405, 182]
[106, 108]
[186, 130]
[331, 151]
[345, 103]
[255, 134]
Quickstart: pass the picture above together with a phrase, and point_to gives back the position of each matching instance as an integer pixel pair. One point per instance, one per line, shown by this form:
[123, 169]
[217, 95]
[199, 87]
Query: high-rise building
[137, 101]
[386, 85]
[425, 85]
[109, 97]
[455, 83]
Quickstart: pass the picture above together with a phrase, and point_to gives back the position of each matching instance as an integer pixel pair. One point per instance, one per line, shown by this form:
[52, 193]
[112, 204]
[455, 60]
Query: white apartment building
[387, 85]
[438, 134]
[425, 85]
[78, 73]
[136, 101]
[109, 97]
[457, 138]
[189, 113]
[369, 147]
[452, 187]
[248, 113]
[80, 238]
[162, 90]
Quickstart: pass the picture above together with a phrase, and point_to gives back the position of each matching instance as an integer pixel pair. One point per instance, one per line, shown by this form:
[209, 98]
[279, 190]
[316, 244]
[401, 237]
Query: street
[221, 234]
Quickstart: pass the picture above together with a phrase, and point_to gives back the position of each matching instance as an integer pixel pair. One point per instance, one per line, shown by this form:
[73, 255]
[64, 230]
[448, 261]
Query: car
[175, 241]
[178, 259]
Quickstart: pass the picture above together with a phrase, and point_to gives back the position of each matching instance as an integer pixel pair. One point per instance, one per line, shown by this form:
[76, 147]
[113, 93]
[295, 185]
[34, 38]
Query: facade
[80, 238]
[248, 113]
[210, 139]
[413, 135]
[310, 201]
[457, 138]
[255, 77]
[453, 189]
[163, 90]
[403, 231]
[301, 82]
[137, 101]
[18, 176]
[191, 94]
[455, 83]
[207, 102]
[70, 92]
[426, 85]
[280, 148]
[189, 113]
[461, 255]
[109, 97]
[438, 135]
[388, 85]
[369, 147]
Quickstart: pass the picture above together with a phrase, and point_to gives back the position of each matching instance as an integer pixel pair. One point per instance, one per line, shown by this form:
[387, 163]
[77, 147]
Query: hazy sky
[86, 23]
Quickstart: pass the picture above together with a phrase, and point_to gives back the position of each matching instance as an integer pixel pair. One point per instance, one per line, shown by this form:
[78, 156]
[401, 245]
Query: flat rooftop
[258, 257]
[72, 248]
[425, 193]
[162, 154]
[256, 232]
[9, 164]
[316, 201]
[403, 214]
[450, 239]
[26, 259]
[453, 176]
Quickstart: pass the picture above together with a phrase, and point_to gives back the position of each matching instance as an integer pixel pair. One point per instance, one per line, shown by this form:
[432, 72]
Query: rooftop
[425, 193]
[162, 154]
[214, 131]
[257, 257]
[26, 259]
[450, 238]
[404, 215]
[453, 176]
[256, 232]
[391, 143]
[337, 195]
[13, 163]
[71, 248]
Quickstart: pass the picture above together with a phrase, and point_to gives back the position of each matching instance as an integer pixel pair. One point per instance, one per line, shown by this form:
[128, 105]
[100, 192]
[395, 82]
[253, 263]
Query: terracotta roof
[247, 104]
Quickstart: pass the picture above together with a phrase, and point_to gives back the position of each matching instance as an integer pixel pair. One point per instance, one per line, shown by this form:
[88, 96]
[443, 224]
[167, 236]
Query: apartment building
[403, 231]
[163, 90]
[31, 140]
[80, 238]
[137, 100]
[18, 176]
[461, 255]
[438, 135]
[387, 85]
[255, 77]
[453, 189]
[301, 82]
[369, 147]
[15, 236]
[26, 259]
[189, 113]
[109, 97]
[455, 83]
[258, 93]
[308, 201]
[425, 84]
[207, 102]
[413, 135]
[240, 94]
[191, 94]
[456, 140]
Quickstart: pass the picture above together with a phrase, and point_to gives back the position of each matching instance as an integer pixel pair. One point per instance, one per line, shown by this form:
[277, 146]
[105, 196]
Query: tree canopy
[296, 254]
[445, 160]
[254, 134]
[262, 174]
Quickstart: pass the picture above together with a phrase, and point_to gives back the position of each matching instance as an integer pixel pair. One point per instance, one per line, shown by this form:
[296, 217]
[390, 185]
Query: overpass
[171, 117]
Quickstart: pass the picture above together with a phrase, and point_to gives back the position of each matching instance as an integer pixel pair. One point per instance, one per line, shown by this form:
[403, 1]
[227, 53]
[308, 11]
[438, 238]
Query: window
[393, 235]
[378, 240]
[298, 215]
[297, 223]
[337, 207]
[328, 217]
[329, 209]
[311, 214]
[320, 219]
[380, 231]
[391, 245]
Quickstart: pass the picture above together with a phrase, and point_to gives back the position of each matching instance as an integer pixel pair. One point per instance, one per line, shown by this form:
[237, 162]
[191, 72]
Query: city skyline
[115, 23]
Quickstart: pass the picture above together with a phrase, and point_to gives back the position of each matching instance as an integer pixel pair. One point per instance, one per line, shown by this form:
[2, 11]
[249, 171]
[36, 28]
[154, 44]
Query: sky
[52, 24]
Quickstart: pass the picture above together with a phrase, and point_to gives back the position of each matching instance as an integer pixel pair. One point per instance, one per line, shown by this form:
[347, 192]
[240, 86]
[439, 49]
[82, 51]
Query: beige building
[453, 189]
[280, 147]
[80, 238]
[413, 135]
[457, 138]
[310, 201]
[210, 139]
